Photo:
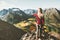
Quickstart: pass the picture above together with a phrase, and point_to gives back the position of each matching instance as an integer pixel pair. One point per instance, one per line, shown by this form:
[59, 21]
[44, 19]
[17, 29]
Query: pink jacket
[39, 21]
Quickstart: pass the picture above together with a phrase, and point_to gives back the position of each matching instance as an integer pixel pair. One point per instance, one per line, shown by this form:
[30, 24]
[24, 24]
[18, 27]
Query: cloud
[5, 5]
[28, 4]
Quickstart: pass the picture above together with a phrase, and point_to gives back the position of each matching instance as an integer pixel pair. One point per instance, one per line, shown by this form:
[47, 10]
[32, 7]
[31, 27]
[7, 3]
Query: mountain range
[15, 15]
[12, 15]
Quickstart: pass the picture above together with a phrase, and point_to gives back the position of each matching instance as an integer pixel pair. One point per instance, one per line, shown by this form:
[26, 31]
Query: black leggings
[40, 29]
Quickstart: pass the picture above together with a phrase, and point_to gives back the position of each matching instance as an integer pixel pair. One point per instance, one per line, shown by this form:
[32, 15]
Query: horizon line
[27, 8]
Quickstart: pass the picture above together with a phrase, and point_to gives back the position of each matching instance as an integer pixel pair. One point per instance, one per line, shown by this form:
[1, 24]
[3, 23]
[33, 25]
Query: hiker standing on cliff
[39, 22]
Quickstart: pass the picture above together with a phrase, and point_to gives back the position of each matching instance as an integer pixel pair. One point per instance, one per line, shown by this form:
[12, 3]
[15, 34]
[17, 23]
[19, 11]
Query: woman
[39, 22]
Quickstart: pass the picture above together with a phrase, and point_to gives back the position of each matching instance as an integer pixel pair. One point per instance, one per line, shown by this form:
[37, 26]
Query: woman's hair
[40, 10]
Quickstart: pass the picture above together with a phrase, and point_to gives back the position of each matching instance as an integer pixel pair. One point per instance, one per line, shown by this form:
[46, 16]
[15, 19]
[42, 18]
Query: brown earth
[10, 32]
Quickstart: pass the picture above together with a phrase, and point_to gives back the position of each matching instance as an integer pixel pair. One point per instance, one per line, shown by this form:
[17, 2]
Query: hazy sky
[29, 4]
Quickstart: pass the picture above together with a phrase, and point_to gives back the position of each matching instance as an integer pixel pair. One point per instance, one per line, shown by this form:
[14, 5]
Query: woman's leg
[39, 31]
[36, 31]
